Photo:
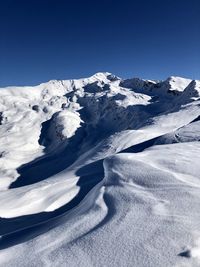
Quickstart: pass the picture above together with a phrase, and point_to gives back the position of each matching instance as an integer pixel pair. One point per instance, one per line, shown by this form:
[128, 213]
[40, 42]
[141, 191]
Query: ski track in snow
[100, 171]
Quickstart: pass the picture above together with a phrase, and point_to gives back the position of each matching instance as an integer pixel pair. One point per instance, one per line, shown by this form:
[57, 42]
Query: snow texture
[100, 171]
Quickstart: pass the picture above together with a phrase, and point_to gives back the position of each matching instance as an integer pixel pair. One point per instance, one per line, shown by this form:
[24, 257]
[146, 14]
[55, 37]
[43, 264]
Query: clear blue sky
[56, 39]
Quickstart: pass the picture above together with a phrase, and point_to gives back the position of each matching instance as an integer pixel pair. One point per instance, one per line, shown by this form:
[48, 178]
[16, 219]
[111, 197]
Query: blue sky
[56, 39]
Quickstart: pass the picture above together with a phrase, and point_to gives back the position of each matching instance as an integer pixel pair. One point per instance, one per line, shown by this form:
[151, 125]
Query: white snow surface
[100, 171]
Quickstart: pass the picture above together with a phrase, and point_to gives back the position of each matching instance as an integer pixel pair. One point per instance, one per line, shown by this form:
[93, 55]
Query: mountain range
[100, 171]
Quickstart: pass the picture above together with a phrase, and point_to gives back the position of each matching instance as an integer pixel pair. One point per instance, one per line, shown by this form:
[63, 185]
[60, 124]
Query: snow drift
[100, 171]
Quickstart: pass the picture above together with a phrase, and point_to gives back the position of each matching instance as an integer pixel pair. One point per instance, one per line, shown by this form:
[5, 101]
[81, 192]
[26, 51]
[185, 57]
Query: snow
[100, 171]
[177, 83]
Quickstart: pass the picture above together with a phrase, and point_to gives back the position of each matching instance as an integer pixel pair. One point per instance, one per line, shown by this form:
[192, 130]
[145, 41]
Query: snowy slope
[100, 171]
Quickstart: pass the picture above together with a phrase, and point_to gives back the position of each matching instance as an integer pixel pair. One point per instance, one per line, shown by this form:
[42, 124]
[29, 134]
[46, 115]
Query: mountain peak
[177, 83]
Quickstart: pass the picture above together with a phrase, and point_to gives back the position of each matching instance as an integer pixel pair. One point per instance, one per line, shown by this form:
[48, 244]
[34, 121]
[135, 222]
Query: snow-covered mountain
[100, 171]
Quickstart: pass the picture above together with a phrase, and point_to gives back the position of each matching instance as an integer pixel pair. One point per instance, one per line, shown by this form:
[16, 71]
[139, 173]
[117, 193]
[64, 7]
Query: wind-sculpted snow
[100, 172]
